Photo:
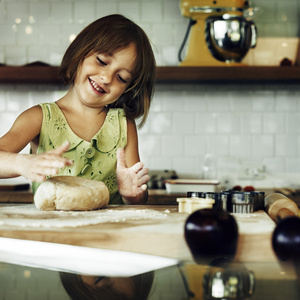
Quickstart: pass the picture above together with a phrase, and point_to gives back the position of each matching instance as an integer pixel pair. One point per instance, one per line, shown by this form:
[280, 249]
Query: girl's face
[103, 78]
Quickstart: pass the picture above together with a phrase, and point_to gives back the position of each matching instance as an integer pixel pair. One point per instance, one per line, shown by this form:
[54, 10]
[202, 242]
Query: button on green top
[90, 152]
[84, 169]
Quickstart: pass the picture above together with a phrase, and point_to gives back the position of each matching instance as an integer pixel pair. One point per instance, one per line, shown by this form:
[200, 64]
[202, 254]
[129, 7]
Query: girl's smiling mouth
[96, 86]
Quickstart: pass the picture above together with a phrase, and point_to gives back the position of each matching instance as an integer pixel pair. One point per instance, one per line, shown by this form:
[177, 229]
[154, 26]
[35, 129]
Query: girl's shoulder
[32, 113]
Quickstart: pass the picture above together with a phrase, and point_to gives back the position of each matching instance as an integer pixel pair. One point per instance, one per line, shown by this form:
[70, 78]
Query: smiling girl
[91, 132]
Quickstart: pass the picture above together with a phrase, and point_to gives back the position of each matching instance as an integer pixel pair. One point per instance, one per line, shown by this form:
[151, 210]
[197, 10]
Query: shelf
[240, 74]
[33, 74]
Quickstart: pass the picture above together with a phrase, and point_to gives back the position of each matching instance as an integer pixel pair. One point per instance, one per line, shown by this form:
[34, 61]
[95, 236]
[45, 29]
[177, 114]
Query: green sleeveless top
[94, 160]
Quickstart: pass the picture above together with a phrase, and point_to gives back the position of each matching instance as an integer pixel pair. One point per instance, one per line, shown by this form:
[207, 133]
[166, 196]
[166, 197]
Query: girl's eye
[121, 79]
[101, 62]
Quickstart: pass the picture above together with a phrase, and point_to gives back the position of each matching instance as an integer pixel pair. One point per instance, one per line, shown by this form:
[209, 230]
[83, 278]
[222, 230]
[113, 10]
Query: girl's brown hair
[106, 35]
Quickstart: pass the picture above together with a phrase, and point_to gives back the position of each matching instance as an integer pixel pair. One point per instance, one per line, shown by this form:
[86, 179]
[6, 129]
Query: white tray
[182, 186]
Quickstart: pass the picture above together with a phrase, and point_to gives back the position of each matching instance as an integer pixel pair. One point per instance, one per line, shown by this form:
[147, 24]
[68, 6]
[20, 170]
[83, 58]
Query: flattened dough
[71, 193]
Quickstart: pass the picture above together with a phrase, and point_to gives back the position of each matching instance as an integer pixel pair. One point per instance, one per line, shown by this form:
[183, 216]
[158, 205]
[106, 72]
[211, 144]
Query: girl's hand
[36, 167]
[131, 181]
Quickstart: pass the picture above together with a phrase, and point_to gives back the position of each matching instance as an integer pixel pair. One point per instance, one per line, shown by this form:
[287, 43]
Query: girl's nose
[106, 77]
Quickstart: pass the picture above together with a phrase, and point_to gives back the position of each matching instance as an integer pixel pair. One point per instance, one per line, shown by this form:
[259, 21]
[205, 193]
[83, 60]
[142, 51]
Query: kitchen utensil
[218, 33]
[229, 39]
[182, 186]
[279, 206]
[189, 205]
[242, 202]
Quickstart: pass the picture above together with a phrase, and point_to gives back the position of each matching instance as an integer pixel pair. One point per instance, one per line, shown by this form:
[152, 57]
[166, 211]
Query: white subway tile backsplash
[293, 124]
[183, 123]
[16, 12]
[50, 34]
[263, 146]
[161, 123]
[274, 123]
[286, 101]
[151, 145]
[69, 32]
[206, 123]
[251, 123]
[172, 145]
[286, 145]
[264, 101]
[104, 8]
[186, 165]
[172, 12]
[28, 34]
[39, 11]
[293, 165]
[16, 55]
[130, 9]
[174, 101]
[158, 162]
[38, 53]
[163, 34]
[169, 55]
[218, 144]
[8, 35]
[6, 121]
[84, 12]
[151, 11]
[2, 55]
[274, 166]
[240, 145]
[195, 145]
[62, 12]
[227, 122]
[196, 100]
[218, 101]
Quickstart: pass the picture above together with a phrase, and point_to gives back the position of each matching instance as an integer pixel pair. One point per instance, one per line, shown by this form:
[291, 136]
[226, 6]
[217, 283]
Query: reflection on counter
[82, 287]
[19, 282]
[254, 281]
[257, 281]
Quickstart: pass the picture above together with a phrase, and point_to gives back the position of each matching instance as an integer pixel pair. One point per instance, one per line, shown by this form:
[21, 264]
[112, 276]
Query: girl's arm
[132, 176]
[34, 167]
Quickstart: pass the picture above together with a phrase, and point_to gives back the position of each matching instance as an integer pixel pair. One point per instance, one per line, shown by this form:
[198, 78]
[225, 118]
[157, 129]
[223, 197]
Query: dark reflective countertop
[184, 281]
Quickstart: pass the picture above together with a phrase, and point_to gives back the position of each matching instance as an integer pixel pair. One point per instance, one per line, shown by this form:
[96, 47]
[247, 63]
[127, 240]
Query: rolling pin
[279, 207]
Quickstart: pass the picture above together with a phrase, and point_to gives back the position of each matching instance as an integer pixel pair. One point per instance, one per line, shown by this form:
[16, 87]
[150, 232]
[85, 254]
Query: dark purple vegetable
[286, 239]
[211, 235]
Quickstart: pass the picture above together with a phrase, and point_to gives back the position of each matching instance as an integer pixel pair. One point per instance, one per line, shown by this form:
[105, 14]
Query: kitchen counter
[156, 197]
[16, 196]
[147, 229]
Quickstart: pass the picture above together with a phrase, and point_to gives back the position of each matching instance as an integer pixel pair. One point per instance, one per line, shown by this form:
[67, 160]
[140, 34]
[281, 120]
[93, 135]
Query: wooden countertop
[149, 229]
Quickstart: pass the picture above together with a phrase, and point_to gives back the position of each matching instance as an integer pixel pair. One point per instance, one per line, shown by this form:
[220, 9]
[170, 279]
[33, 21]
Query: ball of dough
[71, 193]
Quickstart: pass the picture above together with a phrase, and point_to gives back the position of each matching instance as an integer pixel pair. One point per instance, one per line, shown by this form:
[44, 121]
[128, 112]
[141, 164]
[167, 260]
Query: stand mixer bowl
[229, 39]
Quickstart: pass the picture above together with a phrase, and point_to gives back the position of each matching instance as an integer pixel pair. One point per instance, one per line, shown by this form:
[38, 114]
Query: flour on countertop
[28, 216]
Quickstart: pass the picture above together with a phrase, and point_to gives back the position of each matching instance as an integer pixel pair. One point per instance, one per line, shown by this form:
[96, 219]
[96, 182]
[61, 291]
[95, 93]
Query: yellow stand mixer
[218, 32]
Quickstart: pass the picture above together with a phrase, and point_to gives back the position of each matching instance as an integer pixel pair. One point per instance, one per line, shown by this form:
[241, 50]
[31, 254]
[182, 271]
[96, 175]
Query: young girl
[90, 132]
